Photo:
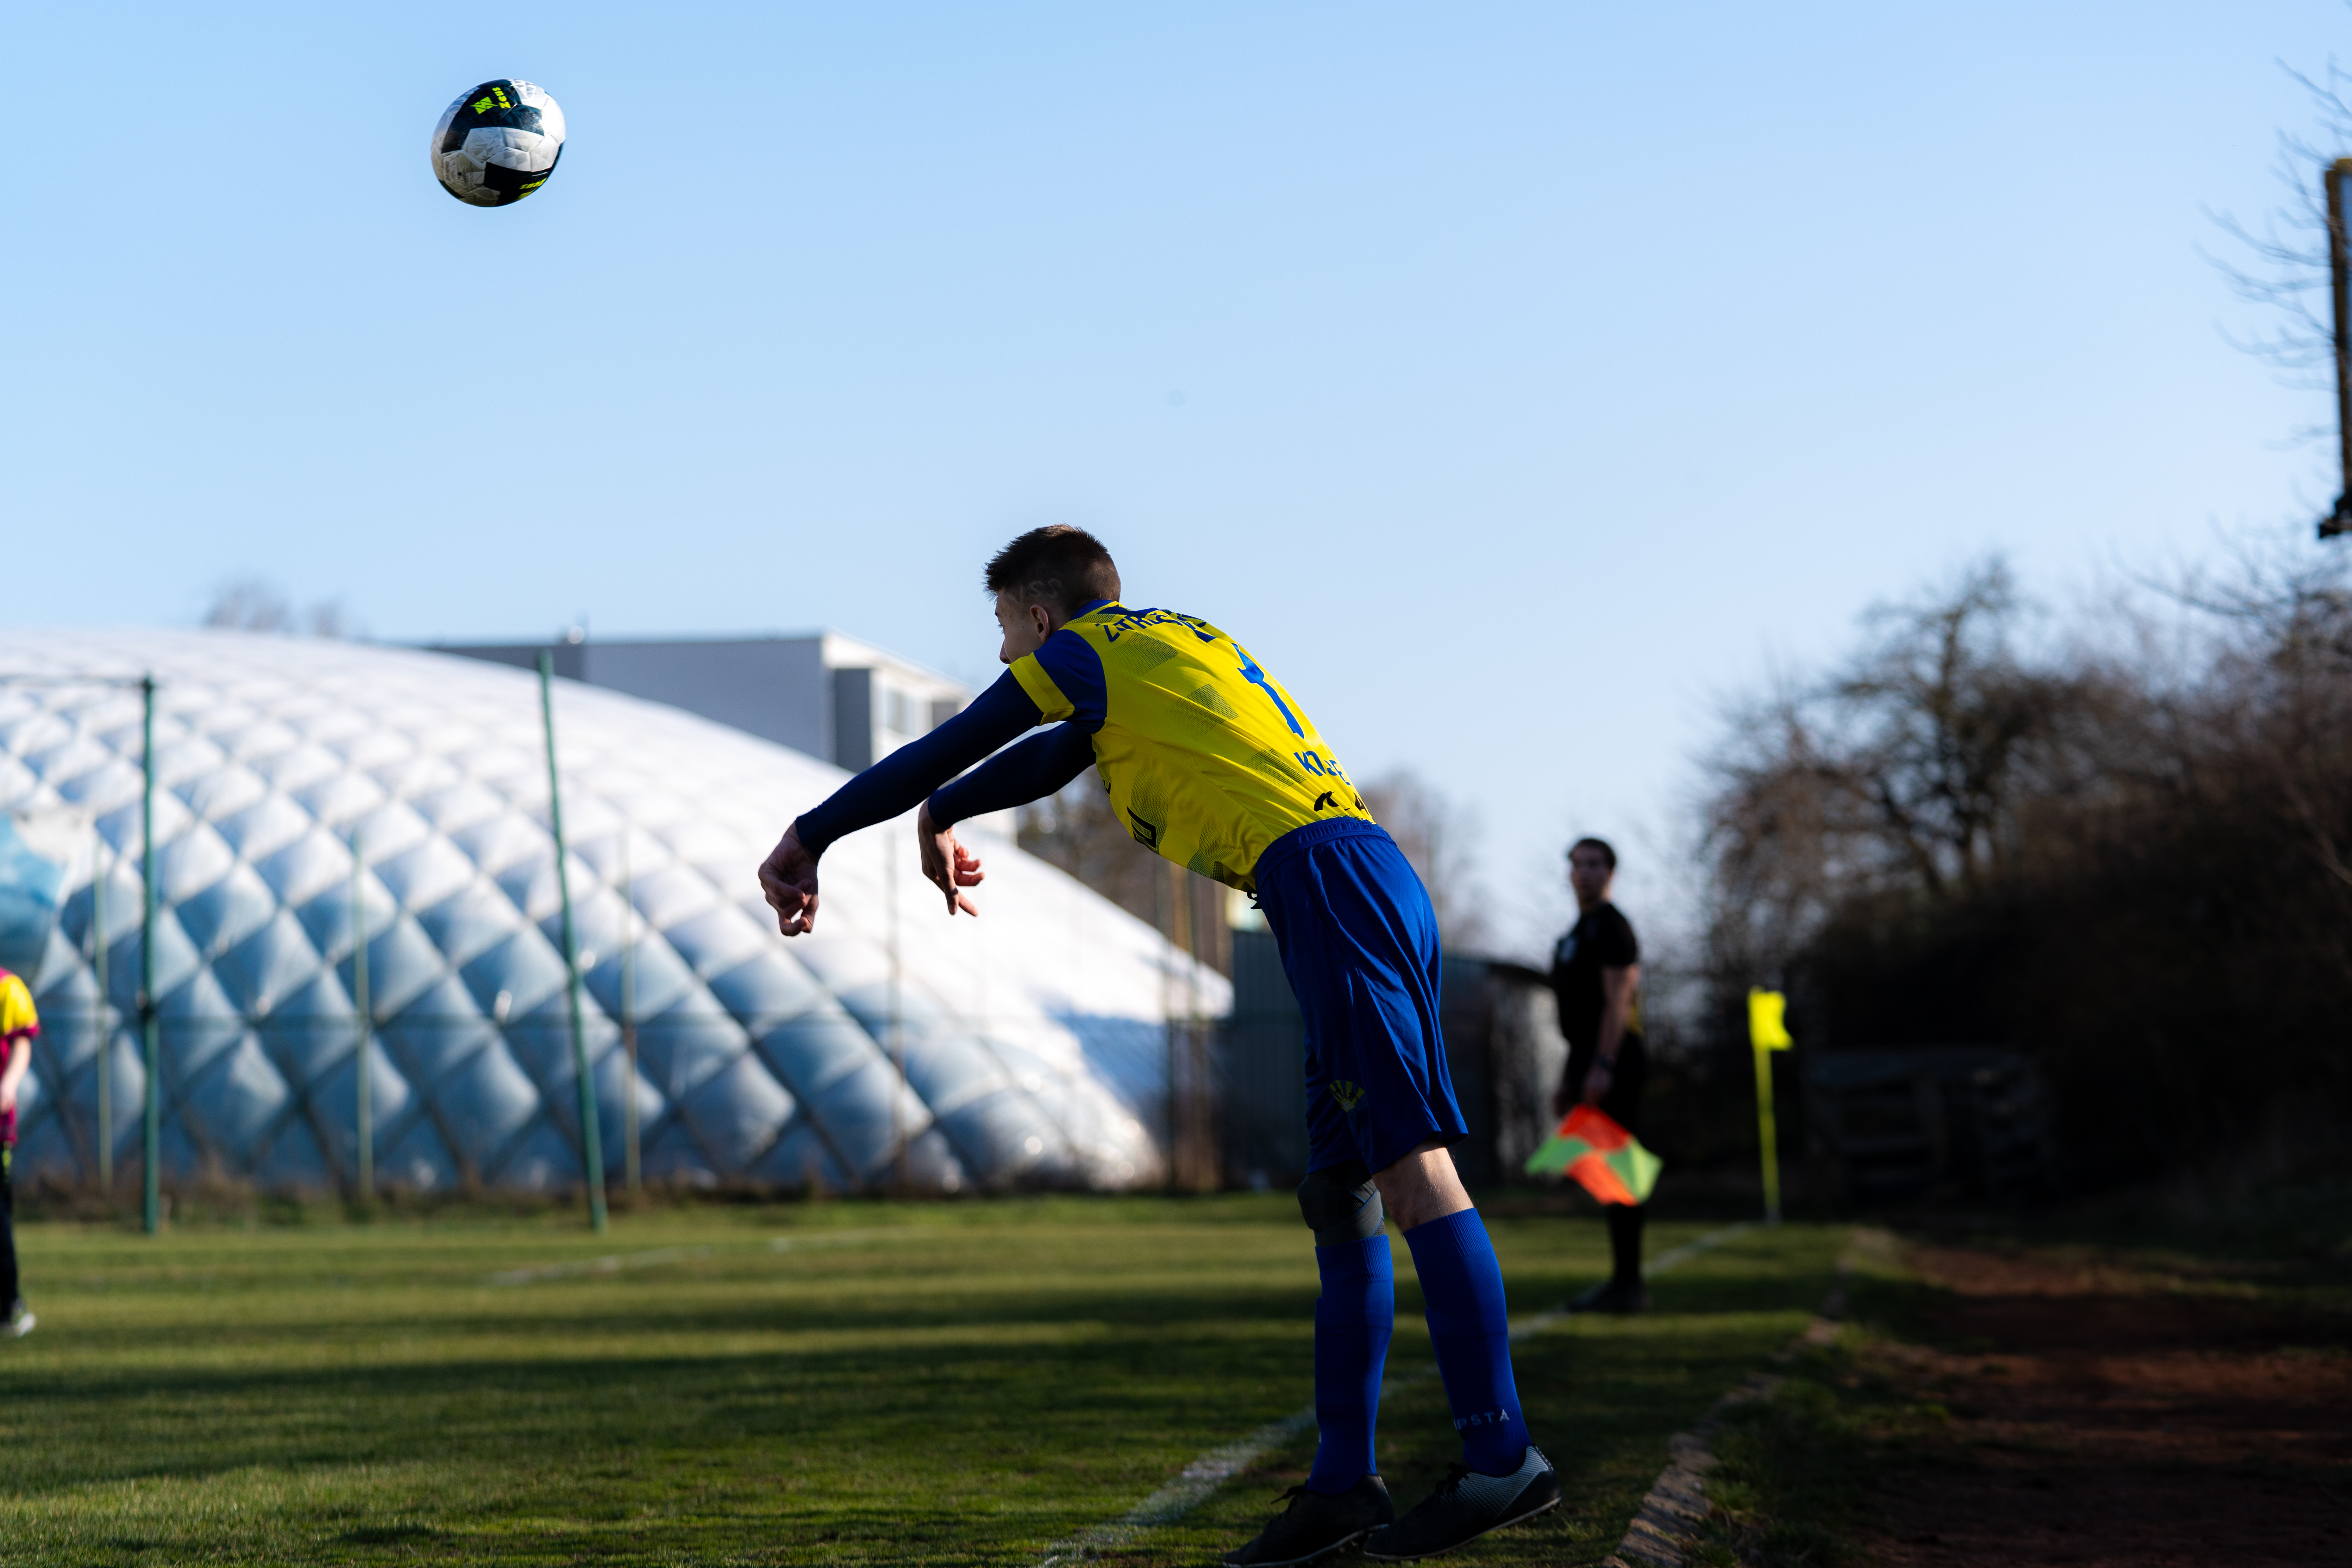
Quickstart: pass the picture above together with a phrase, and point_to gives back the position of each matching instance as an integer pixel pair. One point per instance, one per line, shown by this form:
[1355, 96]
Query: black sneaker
[1466, 1506]
[1612, 1297]
[1315, 1526]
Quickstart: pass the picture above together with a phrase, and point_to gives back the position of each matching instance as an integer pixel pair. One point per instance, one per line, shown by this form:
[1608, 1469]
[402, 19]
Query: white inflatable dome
[1030, 1039]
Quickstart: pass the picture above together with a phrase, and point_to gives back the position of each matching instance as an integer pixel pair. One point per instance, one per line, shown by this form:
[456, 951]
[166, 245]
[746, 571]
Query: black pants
[1623, 1105]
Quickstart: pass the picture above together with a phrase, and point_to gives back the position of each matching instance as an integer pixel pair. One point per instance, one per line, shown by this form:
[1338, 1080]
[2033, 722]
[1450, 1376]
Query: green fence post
[630, 1160]
[592, 1148]
[105, 1023]
[150, 1026]
[363, 1107]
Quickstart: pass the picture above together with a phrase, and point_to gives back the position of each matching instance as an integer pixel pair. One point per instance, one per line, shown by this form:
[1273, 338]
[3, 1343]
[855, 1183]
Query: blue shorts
[1359, 942]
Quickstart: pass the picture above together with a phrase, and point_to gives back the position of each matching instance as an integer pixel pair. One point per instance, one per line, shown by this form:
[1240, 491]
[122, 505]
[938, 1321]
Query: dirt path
[2110, 1418]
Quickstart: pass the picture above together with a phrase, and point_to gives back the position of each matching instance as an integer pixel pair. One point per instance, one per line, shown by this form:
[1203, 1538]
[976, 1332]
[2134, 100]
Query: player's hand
[788, 879]
[947, 864]
[1596, 1083]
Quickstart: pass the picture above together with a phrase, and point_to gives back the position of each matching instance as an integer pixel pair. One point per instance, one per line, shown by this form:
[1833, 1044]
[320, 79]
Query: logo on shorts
[1348, 1095]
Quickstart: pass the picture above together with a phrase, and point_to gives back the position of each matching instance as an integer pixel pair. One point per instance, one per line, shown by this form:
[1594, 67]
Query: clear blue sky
[1513, 379]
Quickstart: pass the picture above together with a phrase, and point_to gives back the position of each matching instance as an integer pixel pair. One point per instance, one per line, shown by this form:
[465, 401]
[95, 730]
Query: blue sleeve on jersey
[904, 777]
[1077, 669]
[1032, 769]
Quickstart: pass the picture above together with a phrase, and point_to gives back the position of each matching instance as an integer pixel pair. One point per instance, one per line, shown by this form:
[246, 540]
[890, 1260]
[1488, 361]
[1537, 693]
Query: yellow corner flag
[1767, 1014]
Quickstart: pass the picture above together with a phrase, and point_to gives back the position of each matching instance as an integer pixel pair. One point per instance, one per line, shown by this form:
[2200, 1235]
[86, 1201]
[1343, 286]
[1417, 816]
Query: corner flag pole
[2339, 271]
[150, 1027]
[1768, 1031]
[592, 1148]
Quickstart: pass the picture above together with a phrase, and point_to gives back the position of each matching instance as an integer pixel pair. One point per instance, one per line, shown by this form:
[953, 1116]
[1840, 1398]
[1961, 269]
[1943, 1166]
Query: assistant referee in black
[1596, 973]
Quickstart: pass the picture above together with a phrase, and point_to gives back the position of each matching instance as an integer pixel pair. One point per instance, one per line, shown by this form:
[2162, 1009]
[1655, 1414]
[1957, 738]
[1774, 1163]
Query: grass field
[847, 1382]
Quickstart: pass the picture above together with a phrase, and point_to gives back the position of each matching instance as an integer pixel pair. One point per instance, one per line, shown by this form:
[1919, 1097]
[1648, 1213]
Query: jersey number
[1256, 677]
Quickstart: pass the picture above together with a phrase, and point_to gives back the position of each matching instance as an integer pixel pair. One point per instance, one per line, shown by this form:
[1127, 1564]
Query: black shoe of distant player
[1315, 1526]
[1613, 1296]
[1466, 1506]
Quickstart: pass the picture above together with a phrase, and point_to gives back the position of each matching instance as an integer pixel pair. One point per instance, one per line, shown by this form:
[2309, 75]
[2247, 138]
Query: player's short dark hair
[1063, 568]
[1608, 856]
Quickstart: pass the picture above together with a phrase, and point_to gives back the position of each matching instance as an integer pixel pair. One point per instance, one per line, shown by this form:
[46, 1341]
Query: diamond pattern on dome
[895, 1046]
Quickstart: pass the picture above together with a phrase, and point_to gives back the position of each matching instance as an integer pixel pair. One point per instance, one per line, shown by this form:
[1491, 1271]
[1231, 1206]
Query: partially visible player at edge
[18, 1024]
[1211, 762]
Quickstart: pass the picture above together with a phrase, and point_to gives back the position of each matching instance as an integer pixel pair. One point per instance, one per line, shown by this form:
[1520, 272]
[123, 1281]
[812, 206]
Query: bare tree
[250, 604]
[2138, 866]
[2285, 264]
[1900, 773]
[255, 604]
[1438, 838]
[1078, 831]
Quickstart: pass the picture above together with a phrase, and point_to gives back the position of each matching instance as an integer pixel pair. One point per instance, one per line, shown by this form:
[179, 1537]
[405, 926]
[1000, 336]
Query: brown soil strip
[1670, 1519]
[2102, 1416]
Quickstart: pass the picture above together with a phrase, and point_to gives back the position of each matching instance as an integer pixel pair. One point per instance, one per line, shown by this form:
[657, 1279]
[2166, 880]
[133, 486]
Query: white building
[319, 801]
[829, 696]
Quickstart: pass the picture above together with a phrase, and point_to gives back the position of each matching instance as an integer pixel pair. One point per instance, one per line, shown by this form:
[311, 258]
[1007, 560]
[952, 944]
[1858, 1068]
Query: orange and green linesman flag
[1593, 1150]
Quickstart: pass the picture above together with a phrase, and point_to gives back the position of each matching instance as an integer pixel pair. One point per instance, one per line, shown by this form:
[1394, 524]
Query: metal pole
[1180, 906]
[1163, 906]
[2339, 270]
[1768, 1132]
[629, 1016]
[1768, 1031]
[897, 1021]
[592, 1147]
[105, 1020]
[363, 1109]
[150, 1027]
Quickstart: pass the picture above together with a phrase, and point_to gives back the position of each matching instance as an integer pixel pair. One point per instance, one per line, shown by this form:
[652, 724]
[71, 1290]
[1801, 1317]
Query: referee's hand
[1597, 1080]
[787, 880]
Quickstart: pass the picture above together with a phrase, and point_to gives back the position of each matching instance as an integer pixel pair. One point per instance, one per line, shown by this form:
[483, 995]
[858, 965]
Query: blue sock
[1353, 1319]
[1469, 1330]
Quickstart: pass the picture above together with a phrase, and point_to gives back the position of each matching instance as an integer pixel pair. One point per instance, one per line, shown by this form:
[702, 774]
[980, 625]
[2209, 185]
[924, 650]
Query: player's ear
[1043, 619]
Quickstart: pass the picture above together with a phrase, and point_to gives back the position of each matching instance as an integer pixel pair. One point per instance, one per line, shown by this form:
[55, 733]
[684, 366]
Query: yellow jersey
[1207, 757]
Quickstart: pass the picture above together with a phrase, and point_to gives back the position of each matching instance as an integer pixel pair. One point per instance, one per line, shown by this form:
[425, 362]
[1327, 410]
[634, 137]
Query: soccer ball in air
[498, 143]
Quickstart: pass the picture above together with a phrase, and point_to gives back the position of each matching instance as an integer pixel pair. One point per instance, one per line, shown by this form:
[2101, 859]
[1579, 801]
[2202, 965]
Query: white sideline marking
[612, 1263]
[1178, 1497]
[1205, 1475]
[830, 1237]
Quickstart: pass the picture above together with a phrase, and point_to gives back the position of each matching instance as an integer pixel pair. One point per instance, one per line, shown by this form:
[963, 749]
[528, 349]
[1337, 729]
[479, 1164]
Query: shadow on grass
[1071, 1363]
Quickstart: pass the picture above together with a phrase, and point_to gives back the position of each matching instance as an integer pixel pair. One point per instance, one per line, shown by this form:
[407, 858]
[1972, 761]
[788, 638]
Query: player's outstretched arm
[899, 780]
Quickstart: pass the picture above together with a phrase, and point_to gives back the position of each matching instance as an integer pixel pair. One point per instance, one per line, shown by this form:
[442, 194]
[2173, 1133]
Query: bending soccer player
[1211, 764]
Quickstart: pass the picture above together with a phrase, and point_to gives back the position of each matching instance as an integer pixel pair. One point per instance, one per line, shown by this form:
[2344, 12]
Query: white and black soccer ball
[498, 143]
